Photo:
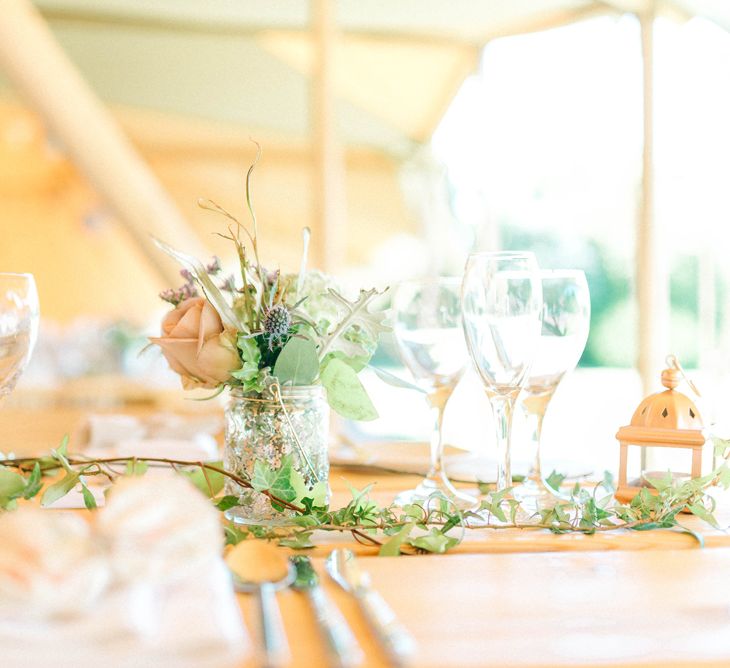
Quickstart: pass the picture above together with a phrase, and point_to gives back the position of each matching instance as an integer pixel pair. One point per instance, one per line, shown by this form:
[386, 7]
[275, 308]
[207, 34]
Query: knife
[343, 568]
[343, 649]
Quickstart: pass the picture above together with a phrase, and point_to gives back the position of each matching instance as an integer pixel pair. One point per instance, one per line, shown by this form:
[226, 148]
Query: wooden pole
[328, 192]
[40, 69]
[652, 283]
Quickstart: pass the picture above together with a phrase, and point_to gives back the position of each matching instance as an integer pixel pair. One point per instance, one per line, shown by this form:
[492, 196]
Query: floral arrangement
[260, 330]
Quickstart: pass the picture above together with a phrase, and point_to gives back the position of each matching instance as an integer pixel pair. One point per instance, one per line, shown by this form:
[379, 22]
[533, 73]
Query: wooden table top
[514, 597]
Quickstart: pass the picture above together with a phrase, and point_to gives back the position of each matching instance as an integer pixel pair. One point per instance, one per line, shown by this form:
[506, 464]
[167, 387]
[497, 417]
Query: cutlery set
[343, 649]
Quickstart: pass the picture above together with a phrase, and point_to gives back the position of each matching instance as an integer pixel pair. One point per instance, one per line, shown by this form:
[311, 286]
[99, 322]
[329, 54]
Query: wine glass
[18, 326]
[565, 323]
[427, 327]
[501, 313]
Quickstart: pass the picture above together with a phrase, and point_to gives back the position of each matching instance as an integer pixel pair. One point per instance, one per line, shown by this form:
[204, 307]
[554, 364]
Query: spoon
[261, 568]
[343, 649]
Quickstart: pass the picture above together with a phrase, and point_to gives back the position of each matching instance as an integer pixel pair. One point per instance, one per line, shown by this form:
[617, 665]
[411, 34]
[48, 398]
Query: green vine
[433, 526]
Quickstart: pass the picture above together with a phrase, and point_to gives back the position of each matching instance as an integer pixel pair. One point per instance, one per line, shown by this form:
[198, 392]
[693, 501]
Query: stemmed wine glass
[18, 327]
[427, 327]
[565, 324]
[501, 311]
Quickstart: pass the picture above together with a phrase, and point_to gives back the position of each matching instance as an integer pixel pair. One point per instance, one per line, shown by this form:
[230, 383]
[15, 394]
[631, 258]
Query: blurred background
[405, 133]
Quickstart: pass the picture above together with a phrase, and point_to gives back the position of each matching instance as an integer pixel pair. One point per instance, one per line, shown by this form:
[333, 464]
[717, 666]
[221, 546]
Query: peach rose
[196, 345]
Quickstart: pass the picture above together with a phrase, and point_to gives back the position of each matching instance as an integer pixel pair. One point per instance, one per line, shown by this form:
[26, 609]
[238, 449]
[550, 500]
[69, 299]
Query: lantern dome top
[669, 409]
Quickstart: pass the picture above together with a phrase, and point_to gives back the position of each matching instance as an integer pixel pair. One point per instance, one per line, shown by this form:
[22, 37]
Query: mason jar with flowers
[287, 347]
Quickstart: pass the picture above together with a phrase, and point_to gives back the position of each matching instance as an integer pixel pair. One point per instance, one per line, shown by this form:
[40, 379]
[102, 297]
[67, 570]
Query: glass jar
[267, 427]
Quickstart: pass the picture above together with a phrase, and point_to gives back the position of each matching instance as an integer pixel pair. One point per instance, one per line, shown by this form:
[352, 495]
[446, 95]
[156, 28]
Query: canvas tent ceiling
[243, 68]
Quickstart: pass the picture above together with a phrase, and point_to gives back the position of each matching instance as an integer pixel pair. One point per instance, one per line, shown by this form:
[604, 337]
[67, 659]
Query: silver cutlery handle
[343, 648]
[397, 642]
[275, 645]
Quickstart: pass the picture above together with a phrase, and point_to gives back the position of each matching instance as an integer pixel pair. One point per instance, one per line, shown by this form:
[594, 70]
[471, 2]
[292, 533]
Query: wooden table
[517, 597]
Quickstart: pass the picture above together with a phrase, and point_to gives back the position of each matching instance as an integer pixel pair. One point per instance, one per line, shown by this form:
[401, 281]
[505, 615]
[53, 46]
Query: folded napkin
[144, 586]
[164, 435]
[460, 465]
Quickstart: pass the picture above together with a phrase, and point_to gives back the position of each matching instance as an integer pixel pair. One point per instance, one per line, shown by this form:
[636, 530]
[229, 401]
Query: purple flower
[229, 285]
[214, 267]
[176, 297]
[187, 275]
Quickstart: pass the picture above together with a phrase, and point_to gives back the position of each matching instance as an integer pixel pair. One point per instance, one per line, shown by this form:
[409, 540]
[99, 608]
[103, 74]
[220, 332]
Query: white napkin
[165, 435]
[163, 595]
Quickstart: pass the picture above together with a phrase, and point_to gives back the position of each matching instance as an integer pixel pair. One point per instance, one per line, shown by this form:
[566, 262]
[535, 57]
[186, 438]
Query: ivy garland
[433, 526]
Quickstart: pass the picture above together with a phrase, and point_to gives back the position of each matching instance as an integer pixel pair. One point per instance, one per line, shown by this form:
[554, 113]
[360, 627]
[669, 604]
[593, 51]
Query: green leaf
[33, 484]
[554, 480]
[704, 514]
[227, 502]
[435, 542]
[211, 485]
[12, 485]
[317, 492]
[298, 362]
[660, 484]
[89, 500]
[394, 380]
[276, 481]
[135, 467]
[60, 488]
[391, 548]
[345, 392]
[63, 447]
[301, 540]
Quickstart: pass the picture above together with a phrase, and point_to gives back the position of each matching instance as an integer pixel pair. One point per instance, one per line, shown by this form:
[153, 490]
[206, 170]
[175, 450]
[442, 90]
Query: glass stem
[534, 421]
[502, 409]
[535, 406]
[437, 400]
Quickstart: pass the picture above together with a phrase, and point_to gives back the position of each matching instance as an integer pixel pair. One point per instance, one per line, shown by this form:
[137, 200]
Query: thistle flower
[277, 323]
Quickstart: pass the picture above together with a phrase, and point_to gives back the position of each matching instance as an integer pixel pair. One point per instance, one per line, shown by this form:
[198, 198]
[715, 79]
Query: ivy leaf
[297, 362]
[209, 482]
[345, 392]
[554, 480]
[227, 502]
[391, 548]
[33, 484]
[89, 500]
[60, 488]
[317, 493]
[661, 484]
[276, 481]
[435, 542]
[704, 514]
[135, 467]
[301, 540]
[12, 485]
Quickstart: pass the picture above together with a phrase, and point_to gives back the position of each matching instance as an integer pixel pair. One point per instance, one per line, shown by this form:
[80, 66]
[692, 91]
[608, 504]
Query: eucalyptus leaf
[298, 363]
[345, 392]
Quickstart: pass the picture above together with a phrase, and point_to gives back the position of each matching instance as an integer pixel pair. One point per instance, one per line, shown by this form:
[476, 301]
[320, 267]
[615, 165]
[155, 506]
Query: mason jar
[267, 427]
